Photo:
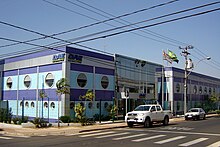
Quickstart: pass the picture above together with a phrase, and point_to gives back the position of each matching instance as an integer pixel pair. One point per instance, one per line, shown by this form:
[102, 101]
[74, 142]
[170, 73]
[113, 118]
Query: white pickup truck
[147, 115]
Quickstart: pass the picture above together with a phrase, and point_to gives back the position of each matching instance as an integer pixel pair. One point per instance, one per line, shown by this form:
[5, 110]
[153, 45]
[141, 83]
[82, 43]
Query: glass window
[81, 80]
[72, 105]
[98, 105]
[177, 87]
[82, 104]
[90, 105]
[158, 108]
[205, 90]
[9, 83]
[104, 82]
[45, 105]
[200, 89]
[153, 108]
[106, 104]
[27, 81]
[195, 89]
[26, 104]
[213, 90]
[49, 79]
[21, 103]
[210, 90]
[32, 104]
[52, 105]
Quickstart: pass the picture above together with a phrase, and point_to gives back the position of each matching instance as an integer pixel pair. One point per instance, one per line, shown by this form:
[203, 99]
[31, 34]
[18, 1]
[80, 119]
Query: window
[158, 108]
[210, 90]
[9, 83]
[213, 90]
[153, 108]
[98, 105]
[90, 105]
[82, 104]
[27, 104]
[205, 90]
[81, 80]
[104, 82]
[52, 105]
[200, 90]
[195, 89]
[32, 104]
[177, 87]
[27, 81]
[21, 104]
[106, 104]
[72, 105]
[49, 79]
[45, 105]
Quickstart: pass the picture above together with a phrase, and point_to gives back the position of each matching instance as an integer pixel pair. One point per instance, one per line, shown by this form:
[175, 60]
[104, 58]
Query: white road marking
[194, 142]
[148, 138]
[105, 136]
[7, 138]
[96, 134]
[131, 136]
[216, 144]
[170, 139]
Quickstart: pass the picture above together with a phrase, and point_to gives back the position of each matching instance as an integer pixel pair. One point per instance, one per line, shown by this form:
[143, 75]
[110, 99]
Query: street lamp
[186, 76]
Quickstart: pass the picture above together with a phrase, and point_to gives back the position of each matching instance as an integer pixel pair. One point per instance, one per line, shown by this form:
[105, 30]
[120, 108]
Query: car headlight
[141, 114]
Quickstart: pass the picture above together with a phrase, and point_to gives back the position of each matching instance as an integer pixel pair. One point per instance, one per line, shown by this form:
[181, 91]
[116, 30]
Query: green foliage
[5, 115]
[62, 87]
[103, 118]
[88, 96]
[39, 123]
[18, 120]
[218, 112]
[65, 119]
[79, 110]
[210, 104]
[112, 109]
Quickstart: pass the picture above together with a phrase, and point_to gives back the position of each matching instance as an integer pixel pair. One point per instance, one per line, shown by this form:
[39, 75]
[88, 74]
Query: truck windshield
[142, 108]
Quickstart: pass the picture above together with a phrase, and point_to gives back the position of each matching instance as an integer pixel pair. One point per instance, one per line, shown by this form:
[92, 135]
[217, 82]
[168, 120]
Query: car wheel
[130, 125]
[204, 117]
[198, 117]
[166, 121]
[147, 123]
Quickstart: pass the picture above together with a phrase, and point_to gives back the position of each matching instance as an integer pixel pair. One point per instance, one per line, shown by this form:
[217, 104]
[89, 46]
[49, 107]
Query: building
[199, 88]
[23, 77]
[135, 80]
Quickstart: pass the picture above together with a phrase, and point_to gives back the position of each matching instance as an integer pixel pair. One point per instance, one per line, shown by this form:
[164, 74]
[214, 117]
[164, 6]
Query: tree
[42, 95]
[62, 88]
[79, 109]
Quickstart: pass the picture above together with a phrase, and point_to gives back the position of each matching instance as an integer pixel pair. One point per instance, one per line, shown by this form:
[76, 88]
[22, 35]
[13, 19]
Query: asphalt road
[186, 133]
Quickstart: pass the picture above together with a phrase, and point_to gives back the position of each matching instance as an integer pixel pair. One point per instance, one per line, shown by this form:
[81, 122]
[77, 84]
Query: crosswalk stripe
[90, 132]
[148, 138]
[193, 142]
[216, 144]
[170, 139]
[105, 136]
[96, 134]
[131, 136]
[7, 138]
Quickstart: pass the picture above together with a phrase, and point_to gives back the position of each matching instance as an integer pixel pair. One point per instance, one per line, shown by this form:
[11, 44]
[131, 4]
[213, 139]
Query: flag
[170, 56]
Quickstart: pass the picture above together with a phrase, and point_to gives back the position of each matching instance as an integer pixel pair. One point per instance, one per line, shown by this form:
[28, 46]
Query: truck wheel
[166, 121]
[147, 123]
[130, 125]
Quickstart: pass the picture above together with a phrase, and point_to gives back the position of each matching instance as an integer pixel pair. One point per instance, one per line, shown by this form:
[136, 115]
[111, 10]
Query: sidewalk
[11, 129]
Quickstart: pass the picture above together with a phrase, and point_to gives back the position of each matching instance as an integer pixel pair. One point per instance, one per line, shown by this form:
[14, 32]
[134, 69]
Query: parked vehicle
[195, 114]
[147, 115]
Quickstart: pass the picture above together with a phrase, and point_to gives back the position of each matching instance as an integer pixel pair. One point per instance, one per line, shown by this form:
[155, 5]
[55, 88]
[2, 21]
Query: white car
[195, 114]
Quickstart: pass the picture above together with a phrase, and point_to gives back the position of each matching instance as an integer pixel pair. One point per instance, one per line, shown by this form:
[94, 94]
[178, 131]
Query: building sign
[58, 57]
[75, 58]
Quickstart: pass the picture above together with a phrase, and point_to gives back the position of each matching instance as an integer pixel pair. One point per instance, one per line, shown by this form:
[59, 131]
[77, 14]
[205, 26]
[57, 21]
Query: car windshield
[142, 108]
[194, 110]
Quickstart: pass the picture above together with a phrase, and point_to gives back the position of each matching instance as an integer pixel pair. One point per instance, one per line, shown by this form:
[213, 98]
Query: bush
[218, 112]
[39, 123]
[5, 115]
[17, 120]
[65, 119]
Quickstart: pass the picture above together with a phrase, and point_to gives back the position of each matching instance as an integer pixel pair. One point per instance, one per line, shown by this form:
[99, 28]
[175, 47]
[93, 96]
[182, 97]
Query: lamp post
[185, 53]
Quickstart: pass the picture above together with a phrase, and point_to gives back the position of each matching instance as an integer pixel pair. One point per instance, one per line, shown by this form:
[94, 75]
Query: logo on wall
[58, 58]
[75, 58]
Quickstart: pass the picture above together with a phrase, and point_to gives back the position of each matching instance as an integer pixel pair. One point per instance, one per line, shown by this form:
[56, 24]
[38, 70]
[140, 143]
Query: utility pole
[185, 53]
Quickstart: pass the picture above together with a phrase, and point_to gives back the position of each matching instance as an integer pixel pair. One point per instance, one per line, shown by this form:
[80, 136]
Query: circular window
[214, 90]
[52, 105]
[90, 105]
[45, 105]
[195, 89]
[27, 104]
[104, 82]
[27, 81]
[9, 83]
[72, 104]
[82, 104]
[210, 90]
[81, 80]
[21, 104]
[200, 89]
[98, 105]
[32, 104]
[106, 104]
[178, 87]
[205, 90]
[49, 79]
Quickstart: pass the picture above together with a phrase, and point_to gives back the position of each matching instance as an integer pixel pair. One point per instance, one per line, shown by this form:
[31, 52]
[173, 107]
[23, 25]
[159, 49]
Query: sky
[22, 20]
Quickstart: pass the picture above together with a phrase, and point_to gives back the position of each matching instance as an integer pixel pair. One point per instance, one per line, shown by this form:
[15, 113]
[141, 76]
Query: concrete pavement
[11, 129]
